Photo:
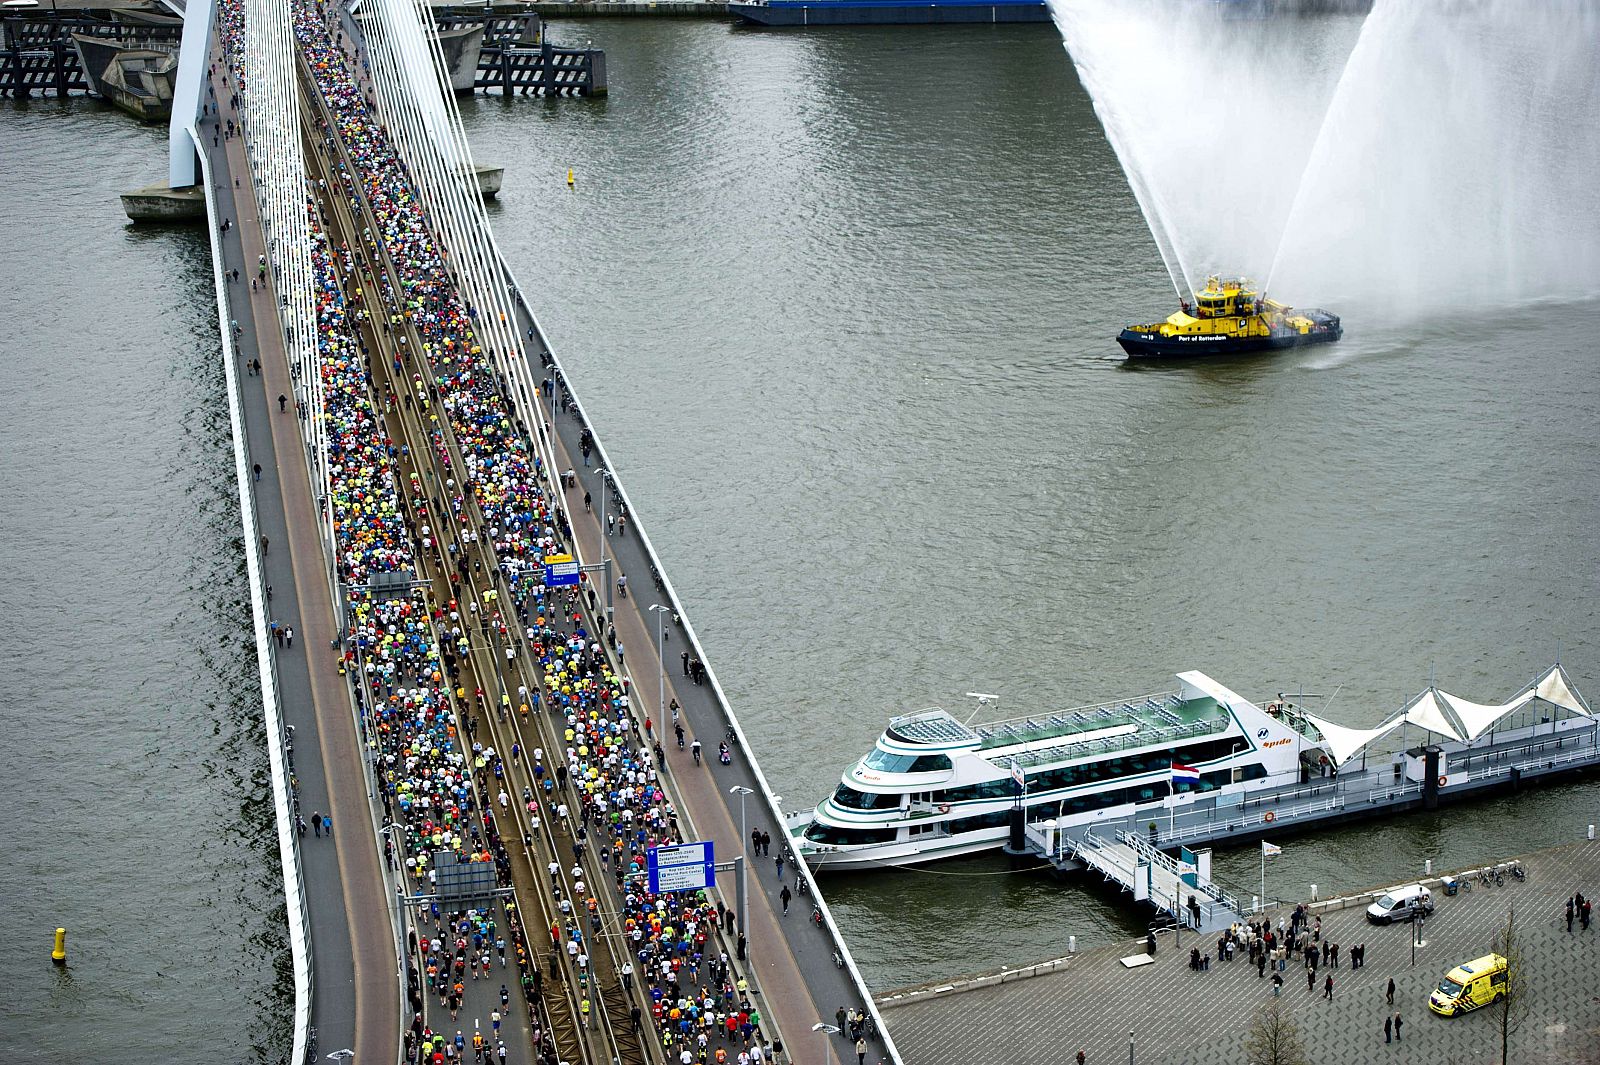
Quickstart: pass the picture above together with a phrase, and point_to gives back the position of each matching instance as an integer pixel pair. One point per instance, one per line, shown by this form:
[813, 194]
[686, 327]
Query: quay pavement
[1182, 1017]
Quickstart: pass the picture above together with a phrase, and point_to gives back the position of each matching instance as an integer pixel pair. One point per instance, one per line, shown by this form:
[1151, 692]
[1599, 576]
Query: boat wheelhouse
[935, 787]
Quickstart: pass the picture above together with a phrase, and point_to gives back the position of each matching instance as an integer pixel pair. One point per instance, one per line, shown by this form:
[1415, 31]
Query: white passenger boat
[935, 787]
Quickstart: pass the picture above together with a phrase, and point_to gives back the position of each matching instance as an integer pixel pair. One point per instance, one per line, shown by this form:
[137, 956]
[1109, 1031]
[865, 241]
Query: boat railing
[1077, 718]
[1111, 744]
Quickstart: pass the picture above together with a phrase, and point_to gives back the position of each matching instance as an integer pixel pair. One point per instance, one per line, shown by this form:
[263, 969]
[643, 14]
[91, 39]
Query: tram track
[608, 1035]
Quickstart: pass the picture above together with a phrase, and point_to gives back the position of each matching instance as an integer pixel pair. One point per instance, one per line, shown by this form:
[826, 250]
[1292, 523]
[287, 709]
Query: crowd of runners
[600, 794]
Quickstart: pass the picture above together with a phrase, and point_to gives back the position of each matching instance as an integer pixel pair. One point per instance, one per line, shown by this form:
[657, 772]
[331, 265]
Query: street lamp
[828, 1031]
[660, 611]
[1130, 1047]
[744, 865]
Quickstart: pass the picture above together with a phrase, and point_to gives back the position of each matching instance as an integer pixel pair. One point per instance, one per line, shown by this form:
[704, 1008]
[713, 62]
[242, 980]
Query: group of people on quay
[602, 794]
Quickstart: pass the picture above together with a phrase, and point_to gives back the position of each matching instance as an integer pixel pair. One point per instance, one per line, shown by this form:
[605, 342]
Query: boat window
[968, 824]
[817, 832]
[884, 762]
[1076, 776]
[849, 797]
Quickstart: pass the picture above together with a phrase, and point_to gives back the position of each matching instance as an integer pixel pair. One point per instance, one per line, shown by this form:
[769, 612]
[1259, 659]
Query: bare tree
[1274, 1039]
[1511, 1001]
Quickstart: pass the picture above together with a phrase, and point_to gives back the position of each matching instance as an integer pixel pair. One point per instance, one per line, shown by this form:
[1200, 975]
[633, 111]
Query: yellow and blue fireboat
[1229, 316]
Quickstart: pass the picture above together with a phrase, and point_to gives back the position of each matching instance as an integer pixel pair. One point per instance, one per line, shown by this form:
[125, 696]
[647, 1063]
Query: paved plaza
[1182, 1017]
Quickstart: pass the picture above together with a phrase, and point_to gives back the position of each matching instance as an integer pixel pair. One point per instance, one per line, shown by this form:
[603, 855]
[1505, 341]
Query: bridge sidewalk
[356, 996]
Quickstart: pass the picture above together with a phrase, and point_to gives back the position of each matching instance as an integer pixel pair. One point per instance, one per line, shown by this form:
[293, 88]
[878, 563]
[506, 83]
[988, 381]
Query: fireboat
[1229, 316]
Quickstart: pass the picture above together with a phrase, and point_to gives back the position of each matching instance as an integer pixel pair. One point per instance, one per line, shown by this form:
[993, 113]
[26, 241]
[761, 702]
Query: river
[842, 304]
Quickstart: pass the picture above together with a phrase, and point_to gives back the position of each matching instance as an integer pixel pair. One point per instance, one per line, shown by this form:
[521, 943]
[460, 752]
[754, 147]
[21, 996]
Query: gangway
[1140, 867]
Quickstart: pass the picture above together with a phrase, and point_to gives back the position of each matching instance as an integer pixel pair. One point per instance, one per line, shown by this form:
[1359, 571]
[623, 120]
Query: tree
[1274, 1039]
[1511, 1004]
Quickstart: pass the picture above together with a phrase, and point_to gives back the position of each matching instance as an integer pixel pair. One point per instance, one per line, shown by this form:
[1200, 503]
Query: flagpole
[1263, 876]
[1172, 806]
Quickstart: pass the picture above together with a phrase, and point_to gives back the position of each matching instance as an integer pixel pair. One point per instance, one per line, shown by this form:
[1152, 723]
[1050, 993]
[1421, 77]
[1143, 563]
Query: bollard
[1255, 903]
[1427, 867]
[1591, 833]
[1313, 893]
[1072, 944]
[59, 955]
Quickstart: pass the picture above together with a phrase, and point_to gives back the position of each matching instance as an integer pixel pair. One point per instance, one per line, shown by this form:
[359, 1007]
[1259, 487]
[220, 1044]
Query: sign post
[682, 867]
[560, 571]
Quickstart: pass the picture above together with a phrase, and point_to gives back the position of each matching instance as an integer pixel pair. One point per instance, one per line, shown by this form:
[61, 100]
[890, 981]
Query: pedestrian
[316, 823]
[1277, 983]
[588, 500]
[1082, 1057]
[1311, 979]
[283, 402]
[1388, 1029]
[1397, 1023]
[288, 637]
[263, 539]
[1327, 988]
[1571, 908]
[1334, 954]
[784, 896]
[1587, 904]
[1389, 995]
[861, 1052]
[685, 657]
[778, 861]
[327, 824]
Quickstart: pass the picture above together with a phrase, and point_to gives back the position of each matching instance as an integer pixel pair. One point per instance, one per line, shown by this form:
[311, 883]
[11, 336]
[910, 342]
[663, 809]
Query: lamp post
[1130, 1047]
[660, 611]
[744, 865]
[828, 1032]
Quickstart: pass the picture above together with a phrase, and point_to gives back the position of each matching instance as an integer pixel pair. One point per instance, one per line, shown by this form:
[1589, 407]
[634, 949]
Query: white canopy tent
[1479, 718]
[1450, 716]
[1427, 712]
[1342, 742]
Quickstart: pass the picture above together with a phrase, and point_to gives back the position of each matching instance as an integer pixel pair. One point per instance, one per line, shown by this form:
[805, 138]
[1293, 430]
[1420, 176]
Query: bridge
[474, 762]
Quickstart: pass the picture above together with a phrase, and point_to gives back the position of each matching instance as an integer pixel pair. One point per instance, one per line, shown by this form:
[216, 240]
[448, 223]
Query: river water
[842, 305]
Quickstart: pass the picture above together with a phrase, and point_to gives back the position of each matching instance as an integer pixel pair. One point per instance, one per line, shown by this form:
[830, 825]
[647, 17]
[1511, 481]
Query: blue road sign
[560, 571]
[684, 867]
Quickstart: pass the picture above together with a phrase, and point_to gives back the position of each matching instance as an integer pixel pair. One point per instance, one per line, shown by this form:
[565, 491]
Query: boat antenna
[984, 700]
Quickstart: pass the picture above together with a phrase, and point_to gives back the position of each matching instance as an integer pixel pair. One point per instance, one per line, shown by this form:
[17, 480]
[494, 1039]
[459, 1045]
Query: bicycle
[1519, 872]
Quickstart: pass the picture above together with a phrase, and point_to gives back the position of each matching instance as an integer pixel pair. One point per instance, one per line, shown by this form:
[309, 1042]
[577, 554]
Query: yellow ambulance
[1468, 986]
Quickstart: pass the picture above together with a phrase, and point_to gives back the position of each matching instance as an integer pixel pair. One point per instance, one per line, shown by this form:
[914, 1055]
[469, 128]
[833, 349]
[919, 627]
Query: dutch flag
[1185, 772]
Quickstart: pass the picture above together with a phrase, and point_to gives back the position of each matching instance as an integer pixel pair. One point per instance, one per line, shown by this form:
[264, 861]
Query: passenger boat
[935, 787]
[1229, 316]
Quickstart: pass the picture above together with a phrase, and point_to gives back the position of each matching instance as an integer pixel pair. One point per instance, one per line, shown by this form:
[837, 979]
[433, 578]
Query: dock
[1151, 852]
[1164, 1013]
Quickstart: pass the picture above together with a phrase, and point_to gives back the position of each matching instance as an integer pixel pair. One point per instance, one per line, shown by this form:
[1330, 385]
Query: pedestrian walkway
[356, 999]
[1181, 1016]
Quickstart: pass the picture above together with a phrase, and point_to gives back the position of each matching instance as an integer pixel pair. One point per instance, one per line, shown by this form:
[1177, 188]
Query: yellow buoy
[571, 179]
[59, 955]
